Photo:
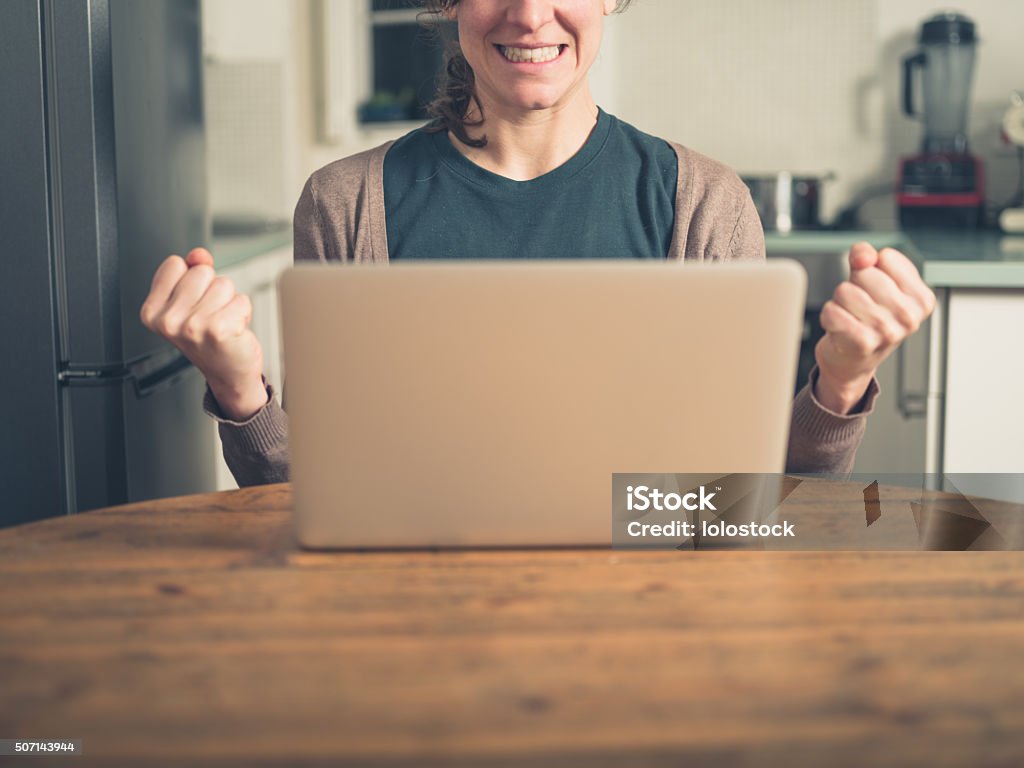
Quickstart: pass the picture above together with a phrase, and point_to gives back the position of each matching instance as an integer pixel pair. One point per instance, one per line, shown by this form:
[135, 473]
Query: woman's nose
[530, 14]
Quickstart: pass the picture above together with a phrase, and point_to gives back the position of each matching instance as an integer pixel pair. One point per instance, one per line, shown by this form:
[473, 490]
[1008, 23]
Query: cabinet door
[984, 411]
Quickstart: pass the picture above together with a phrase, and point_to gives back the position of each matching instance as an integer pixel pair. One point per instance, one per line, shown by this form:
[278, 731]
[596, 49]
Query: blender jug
[946, 59]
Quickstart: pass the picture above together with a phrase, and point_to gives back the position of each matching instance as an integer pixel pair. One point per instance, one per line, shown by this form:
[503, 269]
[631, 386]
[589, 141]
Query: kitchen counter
[830, 241]
[192, 632]
[230, 250]
[947, 259]
[971, 260]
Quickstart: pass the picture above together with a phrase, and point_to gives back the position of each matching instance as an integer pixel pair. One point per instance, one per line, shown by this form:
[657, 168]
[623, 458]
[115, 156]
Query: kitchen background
[807, 85]
[811, 86]
[231, 104]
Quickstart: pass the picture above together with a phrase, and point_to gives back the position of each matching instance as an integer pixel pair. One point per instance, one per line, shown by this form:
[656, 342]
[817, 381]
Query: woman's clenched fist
[202, 315]
[871, 314]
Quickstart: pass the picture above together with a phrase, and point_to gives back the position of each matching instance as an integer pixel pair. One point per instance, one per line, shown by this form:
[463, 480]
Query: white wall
[246, 29]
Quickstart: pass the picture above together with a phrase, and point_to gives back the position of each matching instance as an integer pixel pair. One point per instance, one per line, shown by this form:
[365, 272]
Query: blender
[942, 186]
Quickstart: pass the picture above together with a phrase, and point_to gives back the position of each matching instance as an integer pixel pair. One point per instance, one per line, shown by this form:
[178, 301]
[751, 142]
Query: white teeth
[532, 55]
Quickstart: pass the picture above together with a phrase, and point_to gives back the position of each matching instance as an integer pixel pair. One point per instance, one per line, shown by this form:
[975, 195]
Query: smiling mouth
[530, 55]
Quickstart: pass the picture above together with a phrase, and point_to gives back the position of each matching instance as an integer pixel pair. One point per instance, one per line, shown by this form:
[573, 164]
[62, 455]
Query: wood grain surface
[193, 632]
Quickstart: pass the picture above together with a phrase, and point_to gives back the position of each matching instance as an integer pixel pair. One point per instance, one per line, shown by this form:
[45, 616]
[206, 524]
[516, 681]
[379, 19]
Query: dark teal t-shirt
[613, 199]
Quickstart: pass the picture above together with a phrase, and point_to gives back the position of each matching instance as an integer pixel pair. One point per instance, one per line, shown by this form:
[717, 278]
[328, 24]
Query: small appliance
[787, 201]
[943, 185]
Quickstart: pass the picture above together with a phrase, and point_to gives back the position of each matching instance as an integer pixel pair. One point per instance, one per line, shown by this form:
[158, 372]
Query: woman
[521, 162]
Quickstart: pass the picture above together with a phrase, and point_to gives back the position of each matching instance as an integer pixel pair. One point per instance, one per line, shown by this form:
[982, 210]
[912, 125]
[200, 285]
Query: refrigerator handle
[162, 378]
[148, 375]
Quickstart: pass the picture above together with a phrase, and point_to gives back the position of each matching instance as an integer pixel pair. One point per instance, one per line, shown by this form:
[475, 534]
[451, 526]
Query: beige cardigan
[340, 218]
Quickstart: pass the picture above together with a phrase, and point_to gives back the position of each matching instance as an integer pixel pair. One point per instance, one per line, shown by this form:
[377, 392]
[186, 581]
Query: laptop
[488, 404]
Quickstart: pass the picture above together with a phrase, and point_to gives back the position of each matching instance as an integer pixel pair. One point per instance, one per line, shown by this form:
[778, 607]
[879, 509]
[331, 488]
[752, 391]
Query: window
[406, 60]
[380, 66]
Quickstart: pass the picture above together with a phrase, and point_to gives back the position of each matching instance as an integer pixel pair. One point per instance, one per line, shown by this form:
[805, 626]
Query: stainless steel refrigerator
[102, 174]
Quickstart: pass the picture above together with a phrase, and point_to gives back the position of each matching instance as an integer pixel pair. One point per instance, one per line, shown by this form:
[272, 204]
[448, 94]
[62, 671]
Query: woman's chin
[527, 103]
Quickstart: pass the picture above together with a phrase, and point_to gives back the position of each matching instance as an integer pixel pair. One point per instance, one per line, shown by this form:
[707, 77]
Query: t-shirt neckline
[463, 166]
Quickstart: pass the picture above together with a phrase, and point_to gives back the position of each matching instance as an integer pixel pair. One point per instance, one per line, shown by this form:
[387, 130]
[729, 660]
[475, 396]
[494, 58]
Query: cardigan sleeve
[821, 441]
[255, 450]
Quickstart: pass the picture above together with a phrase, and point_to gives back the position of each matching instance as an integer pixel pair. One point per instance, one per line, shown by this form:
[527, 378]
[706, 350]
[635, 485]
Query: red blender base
[943, 191]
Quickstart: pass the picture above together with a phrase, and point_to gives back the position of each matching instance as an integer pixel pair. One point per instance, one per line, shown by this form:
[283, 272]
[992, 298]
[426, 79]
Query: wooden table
[192, 632]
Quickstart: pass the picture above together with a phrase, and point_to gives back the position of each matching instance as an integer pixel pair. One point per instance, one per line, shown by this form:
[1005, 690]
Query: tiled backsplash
[245, 140]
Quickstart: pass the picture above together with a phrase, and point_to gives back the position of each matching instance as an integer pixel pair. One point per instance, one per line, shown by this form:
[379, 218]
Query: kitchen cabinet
[256, 275]
[975, 412]
[976, 415]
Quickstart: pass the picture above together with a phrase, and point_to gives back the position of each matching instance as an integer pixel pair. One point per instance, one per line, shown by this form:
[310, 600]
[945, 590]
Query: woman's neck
[524, 145]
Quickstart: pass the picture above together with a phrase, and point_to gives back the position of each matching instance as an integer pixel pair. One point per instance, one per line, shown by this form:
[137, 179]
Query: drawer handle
[912, 405]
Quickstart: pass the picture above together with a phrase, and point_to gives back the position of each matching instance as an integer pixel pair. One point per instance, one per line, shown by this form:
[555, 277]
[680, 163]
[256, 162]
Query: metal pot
[787, 202]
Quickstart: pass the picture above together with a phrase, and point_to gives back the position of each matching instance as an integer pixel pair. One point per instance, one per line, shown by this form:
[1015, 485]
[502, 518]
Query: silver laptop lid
[489, 404]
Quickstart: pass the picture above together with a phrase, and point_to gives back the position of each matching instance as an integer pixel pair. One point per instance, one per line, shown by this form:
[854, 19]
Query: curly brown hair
[456, 92]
